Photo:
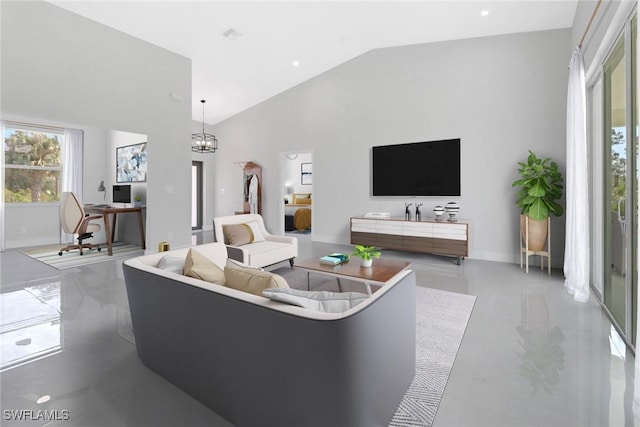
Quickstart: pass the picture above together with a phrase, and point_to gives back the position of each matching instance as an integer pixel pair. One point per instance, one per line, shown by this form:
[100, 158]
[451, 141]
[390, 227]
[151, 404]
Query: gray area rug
[441, 319]
[73, 259]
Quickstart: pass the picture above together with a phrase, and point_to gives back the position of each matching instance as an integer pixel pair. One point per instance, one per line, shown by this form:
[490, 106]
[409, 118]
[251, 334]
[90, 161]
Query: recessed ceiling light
[484, 13]
[295, 63]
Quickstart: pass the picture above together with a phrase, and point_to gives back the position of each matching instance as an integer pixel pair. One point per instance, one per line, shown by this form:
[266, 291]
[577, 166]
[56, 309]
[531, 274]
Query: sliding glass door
[621, 183]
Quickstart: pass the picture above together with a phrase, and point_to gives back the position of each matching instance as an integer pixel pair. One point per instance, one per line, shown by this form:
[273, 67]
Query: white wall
[99, 77]
[501, 95]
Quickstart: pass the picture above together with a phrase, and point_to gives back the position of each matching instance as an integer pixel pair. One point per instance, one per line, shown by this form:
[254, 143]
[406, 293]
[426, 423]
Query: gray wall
[501, 95]
[70, 69]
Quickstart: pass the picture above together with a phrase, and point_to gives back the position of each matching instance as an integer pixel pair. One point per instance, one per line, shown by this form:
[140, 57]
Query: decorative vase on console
[438, 211]
[452, 208]
[407, 212]
[418, 213]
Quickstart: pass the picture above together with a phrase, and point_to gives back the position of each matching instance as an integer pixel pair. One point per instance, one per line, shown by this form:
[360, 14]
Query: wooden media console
[425, 236]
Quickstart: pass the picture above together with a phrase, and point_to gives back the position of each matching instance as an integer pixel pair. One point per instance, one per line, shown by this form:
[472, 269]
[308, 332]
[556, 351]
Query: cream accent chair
[75, 221]
[272, 250]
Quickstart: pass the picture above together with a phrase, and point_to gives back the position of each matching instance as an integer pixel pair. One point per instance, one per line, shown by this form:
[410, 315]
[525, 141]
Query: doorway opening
[296, 172]
[196, 195]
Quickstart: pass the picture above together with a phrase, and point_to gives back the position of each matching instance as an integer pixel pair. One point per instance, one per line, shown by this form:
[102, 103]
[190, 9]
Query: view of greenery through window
[618, 169]
[32, 166]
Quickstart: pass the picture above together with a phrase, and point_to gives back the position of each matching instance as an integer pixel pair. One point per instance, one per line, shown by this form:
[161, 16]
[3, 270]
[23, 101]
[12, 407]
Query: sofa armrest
[237, 253]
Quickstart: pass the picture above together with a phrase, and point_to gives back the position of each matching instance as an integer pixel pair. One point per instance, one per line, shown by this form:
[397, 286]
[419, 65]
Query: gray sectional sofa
[261, 363]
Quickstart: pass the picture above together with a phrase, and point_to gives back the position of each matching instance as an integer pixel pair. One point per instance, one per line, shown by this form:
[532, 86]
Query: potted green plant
[367, 253]
[137, 200]
[538, 197]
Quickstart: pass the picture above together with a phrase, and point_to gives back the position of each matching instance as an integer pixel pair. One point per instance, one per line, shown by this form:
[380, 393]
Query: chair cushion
[200, 267]
[327, 302]
[92, 227]
[252, 280]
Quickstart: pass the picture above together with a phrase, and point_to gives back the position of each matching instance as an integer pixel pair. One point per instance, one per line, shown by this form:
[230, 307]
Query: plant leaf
[538, 210]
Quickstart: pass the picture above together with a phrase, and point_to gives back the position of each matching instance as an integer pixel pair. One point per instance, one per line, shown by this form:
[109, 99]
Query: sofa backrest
[216, 252]
[218, 222]
[149, 264]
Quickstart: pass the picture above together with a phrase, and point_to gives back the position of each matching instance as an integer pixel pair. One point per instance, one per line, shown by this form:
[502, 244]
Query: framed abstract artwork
[131, 163]
[306, 177]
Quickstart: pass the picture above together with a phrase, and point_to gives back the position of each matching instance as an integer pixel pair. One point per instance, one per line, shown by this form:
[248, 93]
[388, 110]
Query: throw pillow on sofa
[237, 234]
[200, 267]
[252, 280]
[327, 302]
[171, 263]
[257, 234]
[242, 234]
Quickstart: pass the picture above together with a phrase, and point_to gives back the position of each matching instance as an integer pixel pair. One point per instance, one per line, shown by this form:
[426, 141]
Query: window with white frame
[33, 166]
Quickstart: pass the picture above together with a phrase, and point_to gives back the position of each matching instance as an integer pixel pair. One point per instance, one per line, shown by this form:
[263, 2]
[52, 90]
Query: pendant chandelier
[203, 142]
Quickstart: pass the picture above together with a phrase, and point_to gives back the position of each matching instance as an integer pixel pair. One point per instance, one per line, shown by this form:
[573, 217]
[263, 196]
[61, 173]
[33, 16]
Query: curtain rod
[33, 125]
[586, 30]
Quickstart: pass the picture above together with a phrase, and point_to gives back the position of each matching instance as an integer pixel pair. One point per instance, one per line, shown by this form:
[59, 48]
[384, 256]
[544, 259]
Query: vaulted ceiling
[246, 52]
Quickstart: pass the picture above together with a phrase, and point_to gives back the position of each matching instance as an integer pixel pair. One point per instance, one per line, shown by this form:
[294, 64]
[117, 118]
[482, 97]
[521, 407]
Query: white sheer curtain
[636, 378]
[2, 191]
[72, 160]
[576, 252]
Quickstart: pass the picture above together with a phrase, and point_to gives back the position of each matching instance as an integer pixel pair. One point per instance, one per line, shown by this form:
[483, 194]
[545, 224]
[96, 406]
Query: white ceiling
[233, 75]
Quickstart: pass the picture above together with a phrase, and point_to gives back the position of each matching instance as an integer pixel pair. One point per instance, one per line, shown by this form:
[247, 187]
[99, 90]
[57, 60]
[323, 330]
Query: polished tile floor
[530, 355]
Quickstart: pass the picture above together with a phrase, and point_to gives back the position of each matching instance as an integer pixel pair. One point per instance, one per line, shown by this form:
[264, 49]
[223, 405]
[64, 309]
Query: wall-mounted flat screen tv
[417, 169]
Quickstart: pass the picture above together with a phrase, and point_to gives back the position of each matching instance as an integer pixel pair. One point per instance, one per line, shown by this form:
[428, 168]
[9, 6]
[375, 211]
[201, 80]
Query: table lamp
[102, 188]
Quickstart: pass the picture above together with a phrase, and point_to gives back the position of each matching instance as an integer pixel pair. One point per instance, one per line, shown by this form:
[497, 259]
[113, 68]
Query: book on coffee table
[334, 259]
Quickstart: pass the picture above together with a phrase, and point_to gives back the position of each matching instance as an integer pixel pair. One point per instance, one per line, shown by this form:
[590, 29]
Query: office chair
[75, 221]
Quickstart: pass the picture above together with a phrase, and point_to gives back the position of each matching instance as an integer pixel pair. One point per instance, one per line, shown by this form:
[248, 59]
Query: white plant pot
[366, 262]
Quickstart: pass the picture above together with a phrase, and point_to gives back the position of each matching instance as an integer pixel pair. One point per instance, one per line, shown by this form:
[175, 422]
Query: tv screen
[122, 194]
[417, 169]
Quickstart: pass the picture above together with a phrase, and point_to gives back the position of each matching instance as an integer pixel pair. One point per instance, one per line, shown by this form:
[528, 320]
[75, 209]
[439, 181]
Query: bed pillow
[200, 267]
[252, 280]
[303, 201]
[327, 302]
[297, 197]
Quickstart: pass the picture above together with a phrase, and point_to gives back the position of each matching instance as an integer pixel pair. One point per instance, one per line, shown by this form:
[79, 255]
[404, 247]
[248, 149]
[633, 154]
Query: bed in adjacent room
[297, 213]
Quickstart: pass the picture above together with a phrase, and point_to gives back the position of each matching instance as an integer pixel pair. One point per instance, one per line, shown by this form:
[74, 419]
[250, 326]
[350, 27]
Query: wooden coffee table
[378, 274]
